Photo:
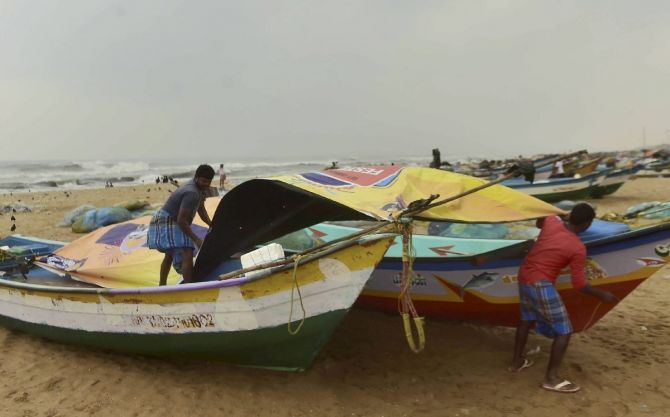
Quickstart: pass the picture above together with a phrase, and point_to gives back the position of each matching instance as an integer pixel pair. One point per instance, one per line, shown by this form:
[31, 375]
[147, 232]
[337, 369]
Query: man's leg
[558, 349]
[165, 268]
[187, 265]
[522, 330]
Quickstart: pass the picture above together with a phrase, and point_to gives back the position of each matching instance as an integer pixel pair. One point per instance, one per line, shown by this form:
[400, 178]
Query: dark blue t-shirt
[187, 197]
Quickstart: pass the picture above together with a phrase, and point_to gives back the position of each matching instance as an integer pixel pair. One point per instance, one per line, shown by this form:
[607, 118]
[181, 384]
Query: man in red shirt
[557, 246]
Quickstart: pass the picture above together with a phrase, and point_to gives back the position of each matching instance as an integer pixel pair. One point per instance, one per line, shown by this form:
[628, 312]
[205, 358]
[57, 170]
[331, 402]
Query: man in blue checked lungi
[170, 228]
[557, 246]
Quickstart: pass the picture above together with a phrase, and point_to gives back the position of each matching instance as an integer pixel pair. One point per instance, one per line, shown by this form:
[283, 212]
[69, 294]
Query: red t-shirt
[556, 247]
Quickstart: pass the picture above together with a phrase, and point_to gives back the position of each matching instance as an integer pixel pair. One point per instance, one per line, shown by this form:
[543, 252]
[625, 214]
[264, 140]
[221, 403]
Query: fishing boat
[613, 181]
[658, 165]
[101, 290]
[586, 167]
[475, 280]
[241, 321]
[557, 189]
[570, 168]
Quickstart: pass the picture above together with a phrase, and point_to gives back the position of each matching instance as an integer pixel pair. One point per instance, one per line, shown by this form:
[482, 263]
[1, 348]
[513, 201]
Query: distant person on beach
[438, 163]
[559, 171]
[170, 228]
[222, 177]
[557, 246]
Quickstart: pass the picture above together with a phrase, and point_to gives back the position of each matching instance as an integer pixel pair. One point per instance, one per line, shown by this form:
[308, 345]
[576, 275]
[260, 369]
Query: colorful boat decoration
[613, 181]
[557, 189]
[463, 279]
[101, 290]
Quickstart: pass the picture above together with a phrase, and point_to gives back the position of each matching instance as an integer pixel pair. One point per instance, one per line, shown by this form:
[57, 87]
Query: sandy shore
[365, 370]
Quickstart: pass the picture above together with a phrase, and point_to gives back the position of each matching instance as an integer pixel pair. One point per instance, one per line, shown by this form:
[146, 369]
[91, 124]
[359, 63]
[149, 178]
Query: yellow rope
[292, 332]
[405, 303]
[418, 323]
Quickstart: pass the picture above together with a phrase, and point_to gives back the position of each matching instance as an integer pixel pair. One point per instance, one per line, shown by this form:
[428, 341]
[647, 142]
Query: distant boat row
[595, 184]
[574, 178]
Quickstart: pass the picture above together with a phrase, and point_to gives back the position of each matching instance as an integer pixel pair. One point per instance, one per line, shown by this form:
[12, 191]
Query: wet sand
[365, 370]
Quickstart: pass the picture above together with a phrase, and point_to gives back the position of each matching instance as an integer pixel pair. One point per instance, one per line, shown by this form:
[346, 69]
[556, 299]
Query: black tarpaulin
[258, 211]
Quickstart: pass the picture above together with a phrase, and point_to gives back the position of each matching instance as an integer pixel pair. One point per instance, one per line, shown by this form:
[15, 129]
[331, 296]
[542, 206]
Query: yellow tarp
[380, 191]
[116, 256]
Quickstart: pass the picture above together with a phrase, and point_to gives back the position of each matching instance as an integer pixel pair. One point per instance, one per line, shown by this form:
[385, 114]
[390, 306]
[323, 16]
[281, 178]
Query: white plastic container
[267, 253]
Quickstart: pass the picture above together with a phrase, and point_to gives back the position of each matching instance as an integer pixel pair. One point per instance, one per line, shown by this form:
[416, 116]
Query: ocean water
[25, 176]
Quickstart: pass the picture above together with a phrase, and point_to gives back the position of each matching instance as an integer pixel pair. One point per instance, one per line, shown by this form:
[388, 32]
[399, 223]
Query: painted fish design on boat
[651, 262]
[479, 281]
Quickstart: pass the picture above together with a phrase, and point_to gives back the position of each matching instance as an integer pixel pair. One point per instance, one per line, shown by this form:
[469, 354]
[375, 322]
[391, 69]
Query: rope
[406, 306]
[291, 331]
[593, 315]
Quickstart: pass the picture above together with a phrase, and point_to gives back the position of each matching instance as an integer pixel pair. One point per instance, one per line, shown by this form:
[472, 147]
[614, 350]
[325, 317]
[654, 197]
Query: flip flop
[527, 363]
[562, 387]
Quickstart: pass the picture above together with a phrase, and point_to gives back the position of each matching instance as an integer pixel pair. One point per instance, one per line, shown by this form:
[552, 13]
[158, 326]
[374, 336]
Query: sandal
[565, 387]
[527, 363]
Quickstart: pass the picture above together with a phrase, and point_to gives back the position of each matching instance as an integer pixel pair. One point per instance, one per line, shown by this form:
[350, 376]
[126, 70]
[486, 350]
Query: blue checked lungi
[165, 236]
[540, 302]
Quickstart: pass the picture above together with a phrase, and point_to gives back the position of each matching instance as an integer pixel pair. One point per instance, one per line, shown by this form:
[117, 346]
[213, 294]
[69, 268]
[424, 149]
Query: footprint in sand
[23, 398]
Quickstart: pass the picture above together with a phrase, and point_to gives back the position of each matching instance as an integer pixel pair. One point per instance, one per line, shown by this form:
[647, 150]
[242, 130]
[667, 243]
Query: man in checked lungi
[557, 246]
[170, 228]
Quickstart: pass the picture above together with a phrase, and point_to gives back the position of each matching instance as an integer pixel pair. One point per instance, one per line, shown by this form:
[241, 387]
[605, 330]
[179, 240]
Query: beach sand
[365, 370]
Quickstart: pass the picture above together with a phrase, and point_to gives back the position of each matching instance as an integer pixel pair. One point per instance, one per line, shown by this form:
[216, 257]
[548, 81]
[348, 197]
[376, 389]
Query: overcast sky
[301, 79]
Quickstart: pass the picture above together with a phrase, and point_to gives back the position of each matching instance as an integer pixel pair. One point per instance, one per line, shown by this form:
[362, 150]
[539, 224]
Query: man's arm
[183, 220]
[579, 281]
[605, 296]
[202, 212]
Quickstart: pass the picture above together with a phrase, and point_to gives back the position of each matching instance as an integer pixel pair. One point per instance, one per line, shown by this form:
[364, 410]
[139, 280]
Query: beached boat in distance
[585, 167]
[613, 181]
[101, 289]
[465, 279]
[557, 189]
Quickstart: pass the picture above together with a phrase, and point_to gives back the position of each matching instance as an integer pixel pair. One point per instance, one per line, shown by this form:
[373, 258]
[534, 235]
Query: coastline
[365, 370]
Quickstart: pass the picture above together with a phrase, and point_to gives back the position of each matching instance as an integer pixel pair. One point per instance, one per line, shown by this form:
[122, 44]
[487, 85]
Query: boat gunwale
[518, 183]
[195, 286]
[620, 172]
[633, 233]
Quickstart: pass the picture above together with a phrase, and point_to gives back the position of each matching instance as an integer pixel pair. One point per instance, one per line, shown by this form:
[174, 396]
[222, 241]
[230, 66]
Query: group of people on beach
[166, 179]
[541, 306]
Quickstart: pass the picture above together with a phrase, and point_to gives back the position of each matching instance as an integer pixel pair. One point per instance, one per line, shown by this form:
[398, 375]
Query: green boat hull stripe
[600, 191]
[272, 348]
[567, 195]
